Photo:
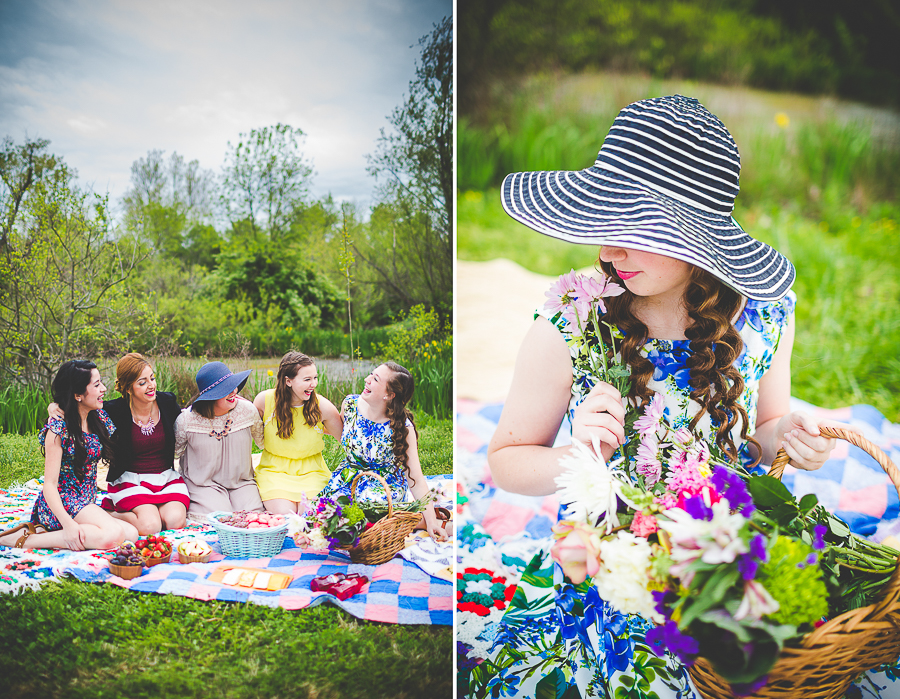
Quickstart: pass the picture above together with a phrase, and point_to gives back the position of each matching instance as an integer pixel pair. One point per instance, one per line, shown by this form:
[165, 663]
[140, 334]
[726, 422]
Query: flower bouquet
[372, 535]
[729, 566]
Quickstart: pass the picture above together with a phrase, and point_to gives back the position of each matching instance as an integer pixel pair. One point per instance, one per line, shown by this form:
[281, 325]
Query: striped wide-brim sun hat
[664, 181]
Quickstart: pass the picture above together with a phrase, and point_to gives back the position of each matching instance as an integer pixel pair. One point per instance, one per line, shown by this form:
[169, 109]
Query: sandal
[32, 529]
[29, 530]
[443, 515]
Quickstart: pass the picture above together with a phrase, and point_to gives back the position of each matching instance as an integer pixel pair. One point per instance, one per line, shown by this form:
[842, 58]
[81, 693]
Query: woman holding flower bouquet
[677, 357]
[379, 435]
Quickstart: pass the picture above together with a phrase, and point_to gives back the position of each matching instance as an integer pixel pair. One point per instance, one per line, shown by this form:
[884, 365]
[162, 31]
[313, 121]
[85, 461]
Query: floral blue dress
[75, 494]
[367, 447]
[559, 640]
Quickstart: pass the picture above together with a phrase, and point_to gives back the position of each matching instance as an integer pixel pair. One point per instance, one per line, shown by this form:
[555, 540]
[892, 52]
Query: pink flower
[684, 476]
[757, 602]
[647, 460]
[644, 525]
[562, 292]
[653, 412]
[666, 500]
[596, 291]
[577, 550]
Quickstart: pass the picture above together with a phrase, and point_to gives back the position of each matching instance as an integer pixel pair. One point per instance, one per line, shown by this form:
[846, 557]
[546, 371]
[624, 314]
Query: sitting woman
[379, 435]
[66, 510]
[213, 438]
[144, 488]
[296, 418]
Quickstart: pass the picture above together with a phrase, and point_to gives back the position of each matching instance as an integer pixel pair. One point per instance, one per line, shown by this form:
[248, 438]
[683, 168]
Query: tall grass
[810, 163]
[23, 410]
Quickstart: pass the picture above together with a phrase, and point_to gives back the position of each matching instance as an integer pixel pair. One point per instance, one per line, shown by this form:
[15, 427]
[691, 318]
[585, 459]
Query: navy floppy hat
[215, 380]
[664, 181]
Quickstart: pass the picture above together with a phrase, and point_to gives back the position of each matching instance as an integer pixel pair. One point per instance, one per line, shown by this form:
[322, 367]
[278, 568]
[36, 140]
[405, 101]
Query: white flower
[757, 602]
[622, 579]
[317, 539]
[589, 486]
[715, 541]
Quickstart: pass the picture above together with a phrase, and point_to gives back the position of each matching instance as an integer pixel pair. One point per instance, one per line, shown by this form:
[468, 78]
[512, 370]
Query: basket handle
[892, 588]
[387, 489]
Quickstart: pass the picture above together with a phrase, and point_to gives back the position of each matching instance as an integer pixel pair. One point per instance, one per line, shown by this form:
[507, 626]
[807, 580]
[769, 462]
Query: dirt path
[495, 304]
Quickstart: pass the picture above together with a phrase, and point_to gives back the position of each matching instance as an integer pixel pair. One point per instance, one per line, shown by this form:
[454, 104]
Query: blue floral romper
[76, 494]
[562, 641]
[367, 447]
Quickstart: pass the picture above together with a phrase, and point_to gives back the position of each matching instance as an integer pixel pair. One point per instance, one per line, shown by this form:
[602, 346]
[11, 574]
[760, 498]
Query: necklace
[220, 434]
[146, 427]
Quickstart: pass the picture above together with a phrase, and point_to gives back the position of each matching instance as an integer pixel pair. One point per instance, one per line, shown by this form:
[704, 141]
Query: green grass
[848, 288]
[75, 639]
[81, 640]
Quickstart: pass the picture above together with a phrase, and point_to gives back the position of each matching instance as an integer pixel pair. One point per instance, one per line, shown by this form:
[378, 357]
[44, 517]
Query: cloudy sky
[108, 80]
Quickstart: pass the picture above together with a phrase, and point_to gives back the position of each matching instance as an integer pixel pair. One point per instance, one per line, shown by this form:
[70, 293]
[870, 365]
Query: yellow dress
[290, 468]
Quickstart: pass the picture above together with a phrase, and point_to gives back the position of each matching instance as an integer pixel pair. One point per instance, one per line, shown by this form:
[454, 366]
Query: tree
[20, 168]
[62, 274]
[265, 178]
[167, 199]
[414, 163]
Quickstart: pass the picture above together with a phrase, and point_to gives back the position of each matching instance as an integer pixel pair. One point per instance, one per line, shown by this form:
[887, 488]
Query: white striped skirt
[132, 490]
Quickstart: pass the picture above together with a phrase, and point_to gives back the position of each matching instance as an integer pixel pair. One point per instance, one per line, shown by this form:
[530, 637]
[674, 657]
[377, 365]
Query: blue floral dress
[367, 447]
[559, 640]
[75, 494]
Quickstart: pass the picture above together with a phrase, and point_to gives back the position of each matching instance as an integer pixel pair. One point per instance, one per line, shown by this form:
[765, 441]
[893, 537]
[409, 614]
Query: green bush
[23, 410]
[20, 459]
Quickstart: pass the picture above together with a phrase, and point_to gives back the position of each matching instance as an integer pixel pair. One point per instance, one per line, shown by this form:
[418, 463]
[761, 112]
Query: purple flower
[758, 548]
[818, 534]
[745, 689]
[747, 566]
[663, 599]
[748, 563]
[733, 488]
[698, 509]
[669, 638]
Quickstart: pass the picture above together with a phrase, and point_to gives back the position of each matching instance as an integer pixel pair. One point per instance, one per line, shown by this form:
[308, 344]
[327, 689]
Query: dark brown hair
[72, 379]
[129, 370]
[402, 385]
[291, 363]
[205, 408]
[715, 344]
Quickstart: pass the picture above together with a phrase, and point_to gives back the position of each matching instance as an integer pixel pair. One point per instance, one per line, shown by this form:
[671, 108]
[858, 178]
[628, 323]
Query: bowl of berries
[154, 549]
[247, 534]
[193, 551]
[127, 562]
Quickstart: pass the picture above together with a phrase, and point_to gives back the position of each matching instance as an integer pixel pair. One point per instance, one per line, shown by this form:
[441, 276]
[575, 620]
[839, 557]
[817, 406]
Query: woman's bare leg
[173, 515]
[280, 506]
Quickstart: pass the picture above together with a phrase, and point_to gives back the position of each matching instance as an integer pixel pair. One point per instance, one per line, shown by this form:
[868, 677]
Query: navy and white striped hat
[664, 182]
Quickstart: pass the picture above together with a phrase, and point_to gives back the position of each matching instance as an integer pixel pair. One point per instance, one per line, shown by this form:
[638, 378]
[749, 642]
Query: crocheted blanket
[400, 591]
[499, 532]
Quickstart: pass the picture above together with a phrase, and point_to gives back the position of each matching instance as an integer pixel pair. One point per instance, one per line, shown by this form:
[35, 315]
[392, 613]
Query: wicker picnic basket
[834, 654]
[381, 542]
[237, 542]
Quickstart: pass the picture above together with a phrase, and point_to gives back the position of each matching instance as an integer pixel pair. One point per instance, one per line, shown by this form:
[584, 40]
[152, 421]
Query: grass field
[72, 639]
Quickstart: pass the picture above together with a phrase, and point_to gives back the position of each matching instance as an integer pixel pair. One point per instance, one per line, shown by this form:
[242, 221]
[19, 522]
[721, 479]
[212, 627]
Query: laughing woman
[296, 418]
[66, 510]
[144, 488]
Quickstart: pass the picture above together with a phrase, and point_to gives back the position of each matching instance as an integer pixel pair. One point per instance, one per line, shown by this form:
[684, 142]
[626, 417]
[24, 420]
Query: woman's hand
[601, 415]
[53, 410]
[801, 438]
[433, 524]
[73, 535]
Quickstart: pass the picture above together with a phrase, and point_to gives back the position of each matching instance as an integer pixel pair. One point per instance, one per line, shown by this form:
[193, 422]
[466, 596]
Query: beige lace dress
[215, 459]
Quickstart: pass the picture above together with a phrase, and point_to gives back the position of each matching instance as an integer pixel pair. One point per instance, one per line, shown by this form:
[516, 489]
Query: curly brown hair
[291, 363]
[402, 385]
[715, 344]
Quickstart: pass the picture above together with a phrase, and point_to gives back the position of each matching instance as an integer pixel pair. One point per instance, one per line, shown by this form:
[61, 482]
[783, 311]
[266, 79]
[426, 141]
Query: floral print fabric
[76, 494]
[367, 447]
[564, 641]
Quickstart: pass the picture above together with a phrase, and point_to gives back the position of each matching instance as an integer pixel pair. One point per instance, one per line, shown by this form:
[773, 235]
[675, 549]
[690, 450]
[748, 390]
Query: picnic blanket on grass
[399, 591]
[499, 532]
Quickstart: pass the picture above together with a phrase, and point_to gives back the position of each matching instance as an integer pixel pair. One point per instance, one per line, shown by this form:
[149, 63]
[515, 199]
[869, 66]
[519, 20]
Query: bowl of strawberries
[154, 549]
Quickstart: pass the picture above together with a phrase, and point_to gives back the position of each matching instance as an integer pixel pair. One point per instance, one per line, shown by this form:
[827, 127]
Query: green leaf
[808, 502]
[768, 491]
